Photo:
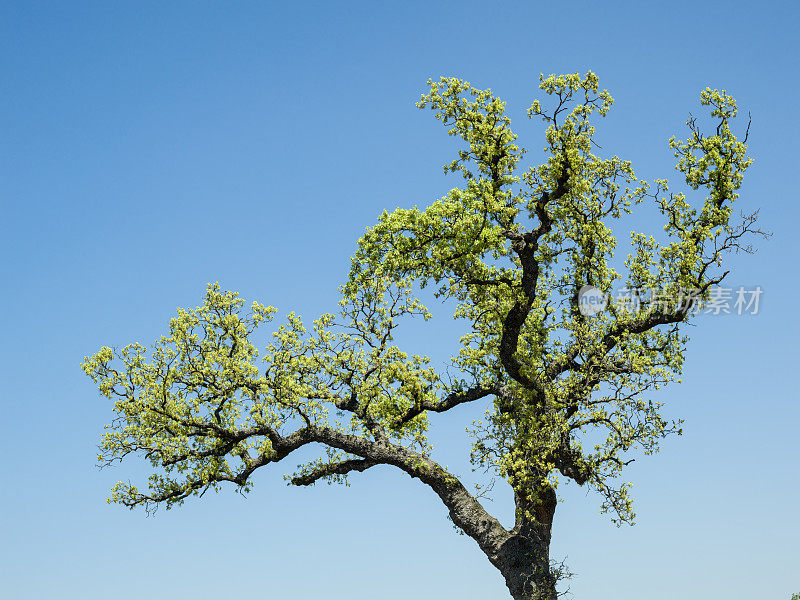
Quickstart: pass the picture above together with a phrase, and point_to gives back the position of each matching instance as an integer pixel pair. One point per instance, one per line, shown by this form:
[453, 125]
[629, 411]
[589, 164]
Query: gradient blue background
[149, 148]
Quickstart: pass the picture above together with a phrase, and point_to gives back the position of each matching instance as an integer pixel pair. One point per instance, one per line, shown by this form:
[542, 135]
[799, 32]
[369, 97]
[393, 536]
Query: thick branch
[465, 511]
[525, 246]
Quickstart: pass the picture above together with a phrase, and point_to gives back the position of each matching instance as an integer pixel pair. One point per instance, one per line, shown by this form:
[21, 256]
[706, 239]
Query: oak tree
[568, 393]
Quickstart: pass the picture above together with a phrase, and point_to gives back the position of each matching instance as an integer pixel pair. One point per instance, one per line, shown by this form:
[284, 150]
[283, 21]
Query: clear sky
[149, 148]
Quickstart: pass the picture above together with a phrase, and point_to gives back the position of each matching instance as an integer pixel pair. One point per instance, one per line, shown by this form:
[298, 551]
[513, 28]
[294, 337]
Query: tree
[512, 249]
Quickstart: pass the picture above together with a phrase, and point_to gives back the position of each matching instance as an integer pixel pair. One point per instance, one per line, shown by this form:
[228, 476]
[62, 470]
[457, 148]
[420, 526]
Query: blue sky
[148, 149]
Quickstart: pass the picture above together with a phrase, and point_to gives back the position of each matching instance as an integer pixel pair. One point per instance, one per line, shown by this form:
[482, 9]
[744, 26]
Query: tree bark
[525, 566]
[524, 557]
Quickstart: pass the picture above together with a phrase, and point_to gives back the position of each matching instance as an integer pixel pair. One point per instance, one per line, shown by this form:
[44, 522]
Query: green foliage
[512, 247]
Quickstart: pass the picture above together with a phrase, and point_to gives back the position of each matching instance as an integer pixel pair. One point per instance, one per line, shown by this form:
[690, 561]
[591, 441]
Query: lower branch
[337, 468]
[466, 512]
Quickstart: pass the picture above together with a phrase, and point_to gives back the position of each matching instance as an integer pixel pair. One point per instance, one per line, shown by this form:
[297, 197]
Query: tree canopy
[568, 394]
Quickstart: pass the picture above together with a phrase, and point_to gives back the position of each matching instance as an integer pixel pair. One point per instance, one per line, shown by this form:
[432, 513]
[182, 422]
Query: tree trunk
[524, 557]
[525, 565]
